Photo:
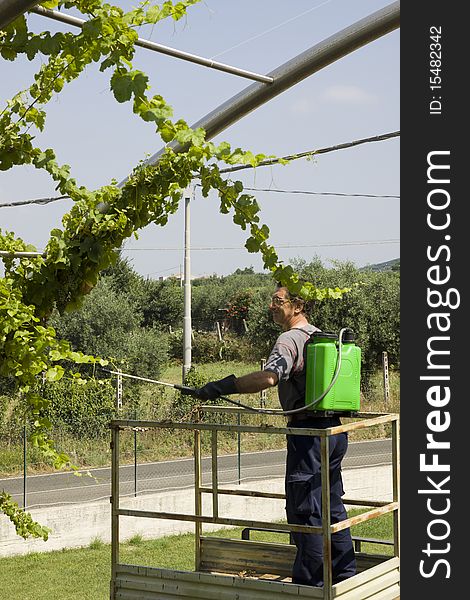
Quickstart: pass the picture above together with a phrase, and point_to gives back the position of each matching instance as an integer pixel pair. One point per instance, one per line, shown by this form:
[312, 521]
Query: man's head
[287, 310]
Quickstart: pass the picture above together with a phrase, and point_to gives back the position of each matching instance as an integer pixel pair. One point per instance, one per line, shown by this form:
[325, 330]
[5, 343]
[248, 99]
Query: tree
[371, 309]
[162, 303]
[109, 325]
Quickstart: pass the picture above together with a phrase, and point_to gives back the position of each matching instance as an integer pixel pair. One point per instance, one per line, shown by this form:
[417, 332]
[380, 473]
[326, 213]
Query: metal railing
[375, 508]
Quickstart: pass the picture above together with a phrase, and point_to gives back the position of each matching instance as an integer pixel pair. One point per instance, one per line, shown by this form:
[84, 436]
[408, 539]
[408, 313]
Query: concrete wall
[78, 524]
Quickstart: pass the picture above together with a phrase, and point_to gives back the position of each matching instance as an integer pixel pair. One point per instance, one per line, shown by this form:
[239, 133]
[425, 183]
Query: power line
[264, 163]
[43, 201]
[255, 37]
[320, 193]
[165, 270]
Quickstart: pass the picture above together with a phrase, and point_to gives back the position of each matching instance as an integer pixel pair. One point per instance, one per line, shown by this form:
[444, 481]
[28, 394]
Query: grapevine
[100, 220]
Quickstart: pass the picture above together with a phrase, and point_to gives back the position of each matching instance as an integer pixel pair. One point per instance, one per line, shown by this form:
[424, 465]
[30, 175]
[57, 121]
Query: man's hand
[215, 389]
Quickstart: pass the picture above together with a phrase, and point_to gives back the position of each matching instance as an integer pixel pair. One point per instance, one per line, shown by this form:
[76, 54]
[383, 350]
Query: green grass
[84, 573]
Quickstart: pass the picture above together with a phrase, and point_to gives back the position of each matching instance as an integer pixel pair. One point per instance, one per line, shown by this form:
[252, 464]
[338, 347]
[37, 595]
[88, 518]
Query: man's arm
[255, 382]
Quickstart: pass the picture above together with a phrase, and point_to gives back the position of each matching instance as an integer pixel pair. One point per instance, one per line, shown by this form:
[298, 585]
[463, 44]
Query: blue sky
[356, 97]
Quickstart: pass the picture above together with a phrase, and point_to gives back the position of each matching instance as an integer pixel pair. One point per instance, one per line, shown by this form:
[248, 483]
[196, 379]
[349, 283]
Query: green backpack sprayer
[333, 376]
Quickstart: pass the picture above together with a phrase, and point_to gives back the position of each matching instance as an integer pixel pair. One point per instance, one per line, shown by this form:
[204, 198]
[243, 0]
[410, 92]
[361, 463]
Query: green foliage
[124, 279]
[105, 318]
[24, 524]
[162, 303]
[184, 406]
[206, 346]
[213, 295]
[108, 325]
[81, 409]
[371, 309]
[11, 418]
[136, 540]
[96, 544]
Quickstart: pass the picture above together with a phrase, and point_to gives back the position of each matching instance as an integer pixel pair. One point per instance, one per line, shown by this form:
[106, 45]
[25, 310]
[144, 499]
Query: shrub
[81, 409]
[206, 346]
[183, 404]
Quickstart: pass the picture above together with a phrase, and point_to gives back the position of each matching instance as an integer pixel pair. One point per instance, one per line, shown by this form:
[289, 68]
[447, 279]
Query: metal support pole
[12, 9]
[187, 341]
[396, 485]
[25, 466]
[263, 394]
[215, 477]
[197, 492]
[9, 254]
[326, 516]
[119, 390]
[135, 457]
[149, 45]
[239, 450]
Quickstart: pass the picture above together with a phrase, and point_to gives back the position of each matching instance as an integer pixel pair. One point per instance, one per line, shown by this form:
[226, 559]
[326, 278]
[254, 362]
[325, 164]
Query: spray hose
[264, 411]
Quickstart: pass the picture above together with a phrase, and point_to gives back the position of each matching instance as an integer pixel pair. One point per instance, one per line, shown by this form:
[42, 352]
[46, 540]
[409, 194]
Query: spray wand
[264, 411]
[184, 389]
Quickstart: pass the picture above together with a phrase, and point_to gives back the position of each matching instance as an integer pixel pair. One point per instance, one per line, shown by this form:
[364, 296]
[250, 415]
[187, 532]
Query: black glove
[215, 389]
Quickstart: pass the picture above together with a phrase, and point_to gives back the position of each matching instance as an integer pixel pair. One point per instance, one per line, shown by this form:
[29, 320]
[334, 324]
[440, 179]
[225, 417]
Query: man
[285, 368]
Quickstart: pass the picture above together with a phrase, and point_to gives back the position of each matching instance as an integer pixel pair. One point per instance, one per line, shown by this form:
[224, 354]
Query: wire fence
[140, 475]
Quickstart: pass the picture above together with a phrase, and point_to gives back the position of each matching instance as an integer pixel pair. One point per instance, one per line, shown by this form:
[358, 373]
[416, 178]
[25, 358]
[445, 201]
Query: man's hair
[305, 306]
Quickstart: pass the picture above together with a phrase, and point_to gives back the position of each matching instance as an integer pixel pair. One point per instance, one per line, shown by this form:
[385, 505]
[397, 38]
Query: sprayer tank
[322, 357]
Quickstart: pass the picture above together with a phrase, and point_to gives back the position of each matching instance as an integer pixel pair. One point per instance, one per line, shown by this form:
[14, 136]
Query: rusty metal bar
[365, 502]
[197, 496]
[274, 496]
[149, 45]
[215, 479]
[249, 493]
[326, 517]
[396, 485]
[149, 514]
[114, 506]
[220, 427]
[279, 413]
[362, 425]
[370, 514]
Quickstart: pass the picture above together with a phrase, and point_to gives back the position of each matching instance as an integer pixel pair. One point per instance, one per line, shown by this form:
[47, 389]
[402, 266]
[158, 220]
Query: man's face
[281, 307]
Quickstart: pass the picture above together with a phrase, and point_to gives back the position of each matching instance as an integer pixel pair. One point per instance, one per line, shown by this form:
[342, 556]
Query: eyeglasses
[277, 301]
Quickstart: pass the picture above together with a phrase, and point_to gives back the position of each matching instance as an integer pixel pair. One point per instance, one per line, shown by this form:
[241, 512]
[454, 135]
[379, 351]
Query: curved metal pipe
[12, 9]
[295, 70]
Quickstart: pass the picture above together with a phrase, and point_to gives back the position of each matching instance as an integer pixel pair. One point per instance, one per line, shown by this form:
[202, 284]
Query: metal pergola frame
[285, 76]
[329, 591]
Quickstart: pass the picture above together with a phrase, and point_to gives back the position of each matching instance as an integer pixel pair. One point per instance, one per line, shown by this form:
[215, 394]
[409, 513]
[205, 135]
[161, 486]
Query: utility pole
[187, 341]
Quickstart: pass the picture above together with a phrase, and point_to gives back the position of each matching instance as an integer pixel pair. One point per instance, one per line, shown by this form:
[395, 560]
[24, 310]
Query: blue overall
[303, 503]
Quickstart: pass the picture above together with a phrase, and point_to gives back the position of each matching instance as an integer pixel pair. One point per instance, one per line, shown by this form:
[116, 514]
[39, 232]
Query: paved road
[67, 488]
